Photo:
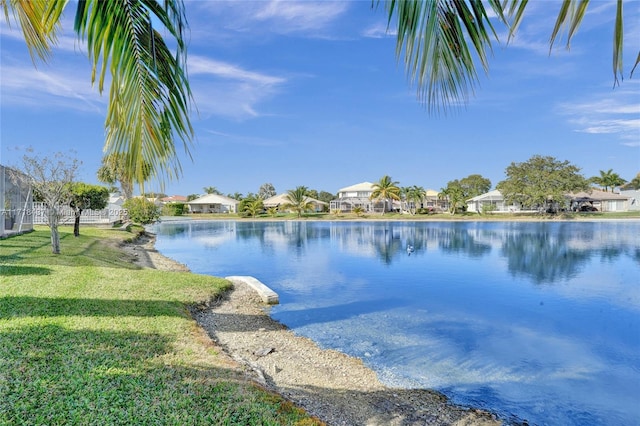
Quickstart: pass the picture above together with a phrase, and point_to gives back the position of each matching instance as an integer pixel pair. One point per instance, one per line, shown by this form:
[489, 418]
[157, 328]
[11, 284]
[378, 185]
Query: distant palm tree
[404, 197]
[415, 195]
[211, 190]
[608, 179]
[358, 211]
[298, 201]
[386, 190]
[454, 195]
[272, 211]
[254, 207]
[149, 97]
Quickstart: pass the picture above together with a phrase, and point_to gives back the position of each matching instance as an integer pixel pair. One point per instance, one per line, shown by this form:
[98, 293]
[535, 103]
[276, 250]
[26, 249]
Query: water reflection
[544, 252]
[544, 256]
[538, 321]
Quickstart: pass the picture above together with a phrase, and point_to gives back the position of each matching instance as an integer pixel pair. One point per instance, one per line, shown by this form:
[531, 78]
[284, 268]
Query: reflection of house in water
[544, 252]
[387, 240]
[214, 235]
[550, 252]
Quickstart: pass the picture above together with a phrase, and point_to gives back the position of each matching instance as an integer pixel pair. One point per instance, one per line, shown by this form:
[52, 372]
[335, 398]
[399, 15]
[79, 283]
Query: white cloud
[203, 65]
[228, 90]
[35, 88]
[276, 16]
[300, 16]
[379, 31]
[613, 126]
[616, 113]
[223, 137]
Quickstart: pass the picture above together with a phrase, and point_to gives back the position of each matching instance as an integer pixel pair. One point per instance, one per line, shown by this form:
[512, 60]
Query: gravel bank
[336, 388]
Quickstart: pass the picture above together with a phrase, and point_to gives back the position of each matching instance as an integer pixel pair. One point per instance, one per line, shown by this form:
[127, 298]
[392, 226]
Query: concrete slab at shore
[267, 295]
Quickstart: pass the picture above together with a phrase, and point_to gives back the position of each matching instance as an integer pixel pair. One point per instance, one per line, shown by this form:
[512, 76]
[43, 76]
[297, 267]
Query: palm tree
[113, 169]
[358, 211]
[386, 190]
[608, 179]
[149, 97]
[298, 201]
[613, 181]
[211, 190]
[415, 196]
[439, 38]
[253, 207]
[454, 196]
[404, 196]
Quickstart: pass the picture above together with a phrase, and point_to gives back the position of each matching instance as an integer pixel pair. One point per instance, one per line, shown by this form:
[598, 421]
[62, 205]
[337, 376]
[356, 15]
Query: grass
[87, 338]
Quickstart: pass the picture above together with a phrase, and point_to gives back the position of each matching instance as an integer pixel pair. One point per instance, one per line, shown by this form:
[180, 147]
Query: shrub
[173, 209]
[488, 208]
[142, 210]
[427, 210]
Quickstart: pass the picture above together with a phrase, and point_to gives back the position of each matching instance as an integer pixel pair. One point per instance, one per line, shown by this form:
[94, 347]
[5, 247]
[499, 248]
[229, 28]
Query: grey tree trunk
[76, 222]
[55, 235]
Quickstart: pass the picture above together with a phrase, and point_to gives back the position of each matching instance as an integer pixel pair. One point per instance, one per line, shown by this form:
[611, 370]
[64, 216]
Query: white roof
[282, 199]
[598, 195]
[364, 186]
[116, 199]
[214, 199]
[494, 195]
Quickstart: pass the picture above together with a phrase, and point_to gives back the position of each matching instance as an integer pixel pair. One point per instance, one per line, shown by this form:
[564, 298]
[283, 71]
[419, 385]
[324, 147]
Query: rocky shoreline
[336, 388]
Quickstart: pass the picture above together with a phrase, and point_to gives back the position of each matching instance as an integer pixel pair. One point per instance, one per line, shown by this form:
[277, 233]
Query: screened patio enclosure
[16, 202]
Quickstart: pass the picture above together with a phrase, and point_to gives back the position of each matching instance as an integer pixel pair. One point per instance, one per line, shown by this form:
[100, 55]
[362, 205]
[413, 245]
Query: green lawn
[88, 338]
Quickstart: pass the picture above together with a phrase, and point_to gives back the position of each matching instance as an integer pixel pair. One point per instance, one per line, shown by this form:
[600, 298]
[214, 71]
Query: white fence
[111, 214]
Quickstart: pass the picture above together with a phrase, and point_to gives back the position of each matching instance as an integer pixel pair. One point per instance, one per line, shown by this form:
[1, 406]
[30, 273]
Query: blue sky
[310, 93]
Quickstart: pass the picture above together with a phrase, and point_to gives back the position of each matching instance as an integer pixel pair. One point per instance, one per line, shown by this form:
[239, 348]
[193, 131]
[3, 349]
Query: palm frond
[432, 38]
[39, 21]
[569, 17]
[150, 98]
[514, 10]
[618, 41]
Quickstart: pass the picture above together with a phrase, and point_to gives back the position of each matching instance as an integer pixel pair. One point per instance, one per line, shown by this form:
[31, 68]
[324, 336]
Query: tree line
[541, 181]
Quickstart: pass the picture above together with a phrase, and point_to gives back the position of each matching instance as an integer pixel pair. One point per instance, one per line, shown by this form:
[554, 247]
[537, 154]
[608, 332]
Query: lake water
[536, 321]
